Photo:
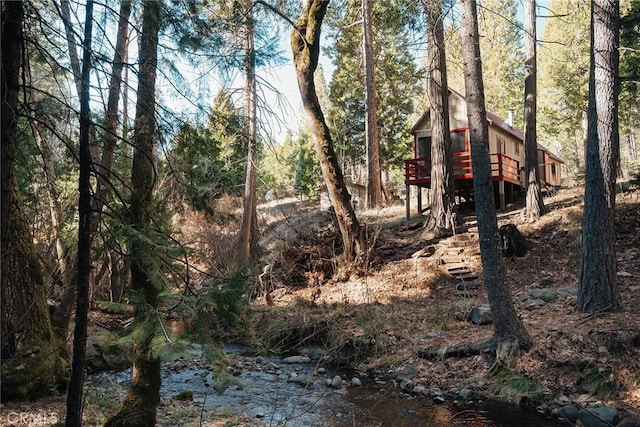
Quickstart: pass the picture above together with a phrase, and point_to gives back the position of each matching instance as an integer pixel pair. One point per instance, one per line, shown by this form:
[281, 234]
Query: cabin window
[553, 170]
[517, 147]
[458, 141]
[502, 146]
[541, 168]
[424, 146]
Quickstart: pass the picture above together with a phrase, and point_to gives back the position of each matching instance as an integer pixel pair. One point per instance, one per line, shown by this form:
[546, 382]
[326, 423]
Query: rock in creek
[596, 416]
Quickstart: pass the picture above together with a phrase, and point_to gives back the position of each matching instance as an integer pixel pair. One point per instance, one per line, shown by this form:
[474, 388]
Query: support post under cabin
[407, 201]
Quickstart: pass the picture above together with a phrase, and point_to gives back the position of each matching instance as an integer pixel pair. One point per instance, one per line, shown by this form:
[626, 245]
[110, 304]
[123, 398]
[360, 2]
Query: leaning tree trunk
[374, 171]
[141, 402]
[597, 289]
[441, 217]
[534, 202]
[305, 43]
[31, 362]
[247, 238]
[509, 332]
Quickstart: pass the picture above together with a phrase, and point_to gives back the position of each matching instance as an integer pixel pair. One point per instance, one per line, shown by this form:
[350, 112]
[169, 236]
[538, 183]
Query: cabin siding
[506, 148]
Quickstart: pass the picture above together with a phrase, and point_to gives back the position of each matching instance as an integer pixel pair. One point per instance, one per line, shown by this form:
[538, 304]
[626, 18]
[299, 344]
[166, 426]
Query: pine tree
[143, 396]
[394, 75]
[441, 216]
[597, 288]
[563, 80]
[305, 44]
[502, 56]
[534, 202]
[31, 359]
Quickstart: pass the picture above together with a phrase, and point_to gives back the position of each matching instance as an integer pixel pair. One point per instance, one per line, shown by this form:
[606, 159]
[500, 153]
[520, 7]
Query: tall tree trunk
[103, 168]
[62, 314]
[64, 275]
[74, 395]
[247, 238]
[31, 362]
[509, 331]
[534, 204]
[65, 14]
[374, 174]
[598, 289]
[141, 402]
[441, 216]
[305, 44]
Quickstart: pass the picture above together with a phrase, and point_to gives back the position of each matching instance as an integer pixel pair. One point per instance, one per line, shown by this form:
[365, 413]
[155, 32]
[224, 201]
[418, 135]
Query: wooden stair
[454, 260]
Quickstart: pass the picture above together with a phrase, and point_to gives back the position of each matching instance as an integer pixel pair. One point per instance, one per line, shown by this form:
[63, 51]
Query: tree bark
[374, 173]
[140, 405]
[305, 44]
[64, 276]
[31, 362]
[534, 202]
[508, 329]
[103, 168]
[63, 312]
[247, 238]
[441, 216]
[598, 289]
[74, 394]
[65, 14]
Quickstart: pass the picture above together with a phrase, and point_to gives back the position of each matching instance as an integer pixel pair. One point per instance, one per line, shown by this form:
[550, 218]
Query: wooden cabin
[506, 148]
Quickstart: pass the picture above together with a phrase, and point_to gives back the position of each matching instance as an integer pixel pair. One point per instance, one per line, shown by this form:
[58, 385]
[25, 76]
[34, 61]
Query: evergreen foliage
[501, 49]
[210, 157]
[563, 68]
[630, 46]
[222, 303]
[395, 77]
[629, 83]
[291, 168]
[502, 54]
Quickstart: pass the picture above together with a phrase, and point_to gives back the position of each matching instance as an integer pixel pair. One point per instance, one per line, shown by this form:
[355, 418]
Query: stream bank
[299, 391]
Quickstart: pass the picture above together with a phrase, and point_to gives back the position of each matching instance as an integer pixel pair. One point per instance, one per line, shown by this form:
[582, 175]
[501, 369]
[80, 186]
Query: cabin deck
[503, 168]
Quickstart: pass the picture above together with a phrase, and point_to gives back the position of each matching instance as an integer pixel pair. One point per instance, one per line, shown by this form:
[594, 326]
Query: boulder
[547, 295]
[629, 422]
[336, 381]
[465, 393]
[296, 359]
[480, 316]
[407, 372]
[596, 416]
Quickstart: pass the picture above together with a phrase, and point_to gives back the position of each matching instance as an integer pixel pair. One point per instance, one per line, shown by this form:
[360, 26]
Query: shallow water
[296, 395]
[389, 407]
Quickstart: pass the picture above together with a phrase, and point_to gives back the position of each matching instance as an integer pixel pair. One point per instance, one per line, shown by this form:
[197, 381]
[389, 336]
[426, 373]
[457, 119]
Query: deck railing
[503, 168]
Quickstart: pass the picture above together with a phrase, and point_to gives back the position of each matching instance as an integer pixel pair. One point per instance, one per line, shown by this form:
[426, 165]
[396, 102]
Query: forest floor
[376, 322]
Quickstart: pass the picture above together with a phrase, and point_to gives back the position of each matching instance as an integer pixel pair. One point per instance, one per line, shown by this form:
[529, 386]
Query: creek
[297, 392]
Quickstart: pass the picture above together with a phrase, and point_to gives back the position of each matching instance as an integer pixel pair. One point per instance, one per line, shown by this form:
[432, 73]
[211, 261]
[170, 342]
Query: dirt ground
[405, 304]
